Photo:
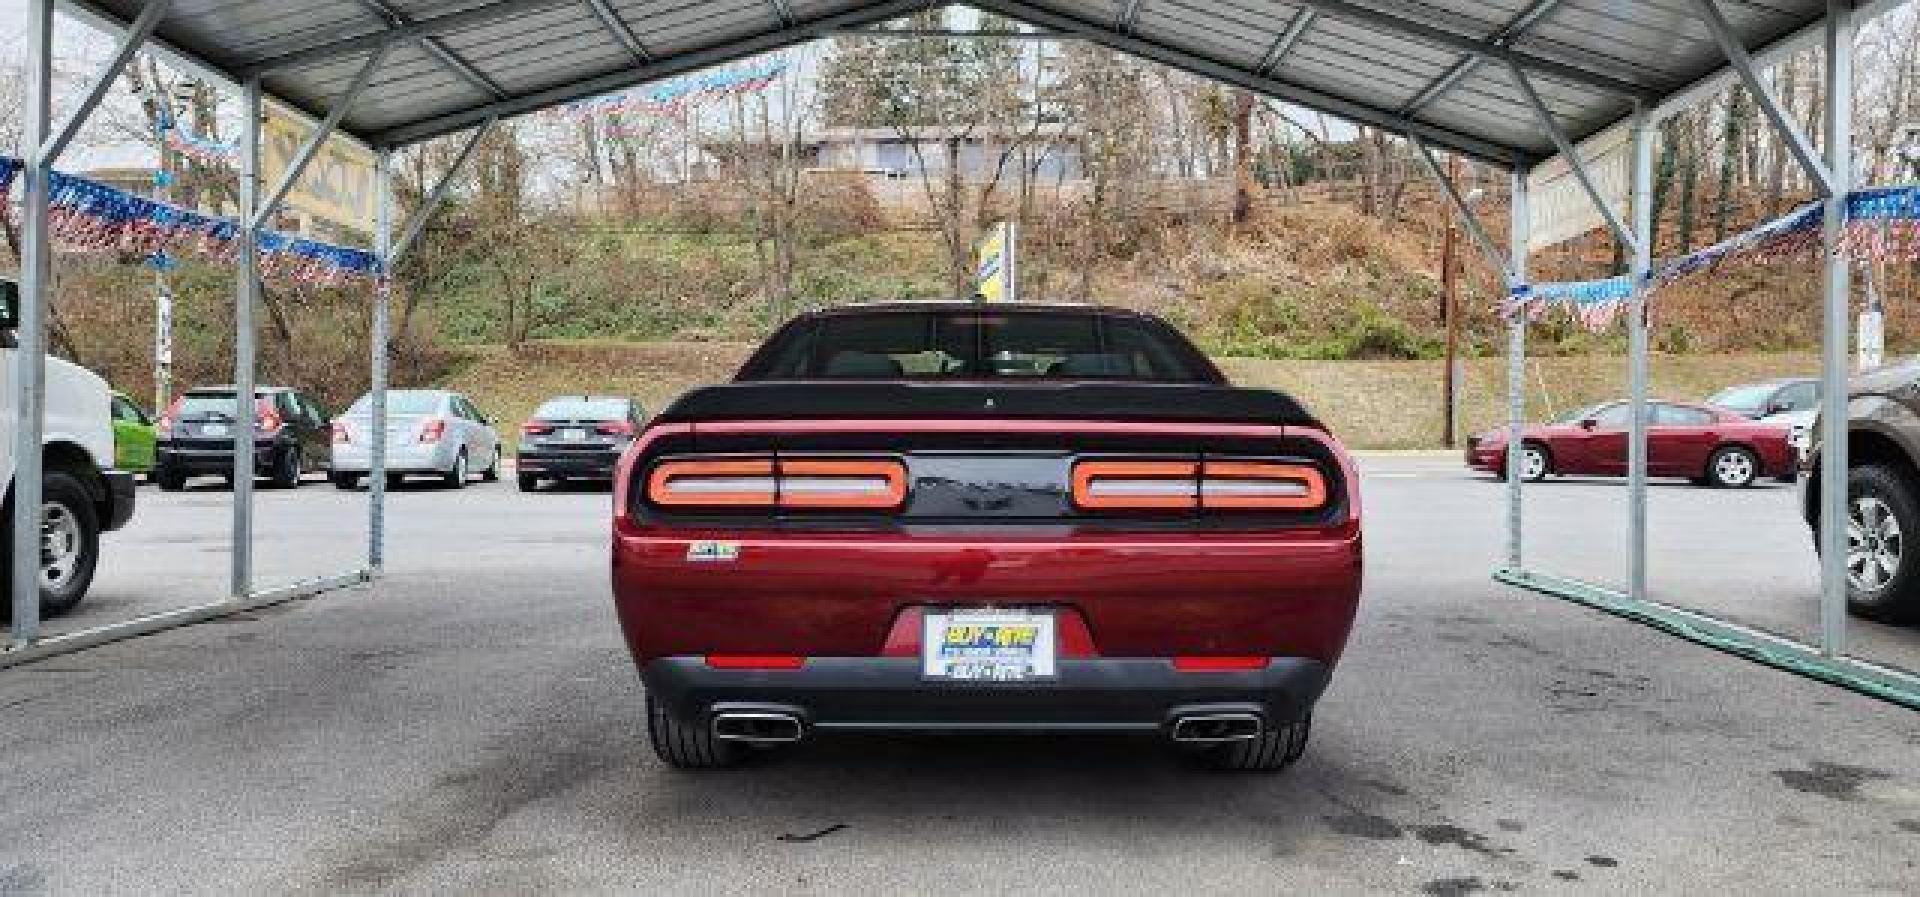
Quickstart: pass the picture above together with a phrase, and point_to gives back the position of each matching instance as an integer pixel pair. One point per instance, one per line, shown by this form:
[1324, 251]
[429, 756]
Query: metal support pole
[1516, 368]
[379, 353]
[29, 399]
[1637, 374]
[245, 296]
[1833, 368]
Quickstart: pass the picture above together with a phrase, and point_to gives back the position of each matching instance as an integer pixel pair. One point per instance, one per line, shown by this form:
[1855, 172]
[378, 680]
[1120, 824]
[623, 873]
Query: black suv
[576, 437]
[293, 436]
[1883, 493]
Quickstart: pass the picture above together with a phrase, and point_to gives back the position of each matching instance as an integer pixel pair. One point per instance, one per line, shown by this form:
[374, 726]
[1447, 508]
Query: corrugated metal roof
[1437, 69]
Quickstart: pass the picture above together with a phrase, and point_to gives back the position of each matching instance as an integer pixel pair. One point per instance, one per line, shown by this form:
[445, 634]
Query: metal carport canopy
[1438, 71]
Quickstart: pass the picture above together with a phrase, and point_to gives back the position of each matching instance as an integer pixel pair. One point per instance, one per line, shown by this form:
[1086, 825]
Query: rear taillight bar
[788, 483]
[1198, 486]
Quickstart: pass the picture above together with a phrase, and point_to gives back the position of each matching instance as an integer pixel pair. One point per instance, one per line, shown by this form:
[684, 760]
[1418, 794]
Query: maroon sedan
[1711, 446]
[966, 517]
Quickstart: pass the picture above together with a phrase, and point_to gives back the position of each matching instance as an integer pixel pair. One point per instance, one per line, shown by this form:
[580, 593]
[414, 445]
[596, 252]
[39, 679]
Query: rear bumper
[195, 462]
[410, 458]
[889, 694]
[570, 464]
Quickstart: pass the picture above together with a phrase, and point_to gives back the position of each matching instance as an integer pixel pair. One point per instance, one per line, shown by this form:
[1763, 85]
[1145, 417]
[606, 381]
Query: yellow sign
[993, 274]
[338, 185]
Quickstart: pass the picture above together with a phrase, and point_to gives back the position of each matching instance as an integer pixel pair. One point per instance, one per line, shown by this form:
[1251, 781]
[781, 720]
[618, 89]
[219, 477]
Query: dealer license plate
[988, 646]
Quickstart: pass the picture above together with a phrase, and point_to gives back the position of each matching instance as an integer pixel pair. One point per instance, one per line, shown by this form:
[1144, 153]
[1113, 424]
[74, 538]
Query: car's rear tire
[457, 477]
[528, 482]
[170, 480]
[1275, 749]
[73, 532]
[682, 746]
[492, 473]
[1733, 467]
[1883, 578]
[344, 481]
[287, 469]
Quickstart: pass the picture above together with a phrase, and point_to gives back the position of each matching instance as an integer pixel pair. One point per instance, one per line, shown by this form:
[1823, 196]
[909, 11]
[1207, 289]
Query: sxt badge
[713, 552]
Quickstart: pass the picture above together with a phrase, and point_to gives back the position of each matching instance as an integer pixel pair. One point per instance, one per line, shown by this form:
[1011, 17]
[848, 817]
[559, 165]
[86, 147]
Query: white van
[82, 495]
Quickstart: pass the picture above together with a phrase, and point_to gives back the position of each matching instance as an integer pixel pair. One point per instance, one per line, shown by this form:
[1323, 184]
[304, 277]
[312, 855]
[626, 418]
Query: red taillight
[1212, 664]
[266, 419]
[615, 428]
[164, 428]
[1197, 486]
[755, 661]
[433, 431]
[536, 428]
[801, 484]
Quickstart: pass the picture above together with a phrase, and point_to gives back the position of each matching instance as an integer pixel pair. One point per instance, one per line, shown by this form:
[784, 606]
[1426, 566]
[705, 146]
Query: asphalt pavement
[471, 723]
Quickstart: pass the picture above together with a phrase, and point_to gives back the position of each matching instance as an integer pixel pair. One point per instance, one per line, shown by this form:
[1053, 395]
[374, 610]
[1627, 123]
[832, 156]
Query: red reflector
[755, 662]
[1219, 664]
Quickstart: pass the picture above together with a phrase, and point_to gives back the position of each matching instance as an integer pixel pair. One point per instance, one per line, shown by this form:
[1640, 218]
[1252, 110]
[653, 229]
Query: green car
[133, 436]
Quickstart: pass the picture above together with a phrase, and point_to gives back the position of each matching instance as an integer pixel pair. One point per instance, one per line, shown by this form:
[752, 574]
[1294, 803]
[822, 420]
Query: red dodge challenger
[944, 517]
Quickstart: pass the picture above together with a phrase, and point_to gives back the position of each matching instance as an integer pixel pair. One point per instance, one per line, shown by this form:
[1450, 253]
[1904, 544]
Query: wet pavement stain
[1453, 887]
[1363, 825]
[1832, 780]
[1566, 875]
[1602, 862]
[1455, 836]
[1911, 826]
[1510, 825]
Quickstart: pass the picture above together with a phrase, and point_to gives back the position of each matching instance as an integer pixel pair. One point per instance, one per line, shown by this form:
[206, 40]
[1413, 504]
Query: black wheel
[344, 480]
[1535, 462]
[1882, 583]
[457, 477]
[528, 482]
[1733, 467]
[170, 480]
[492, 473]
[286, 469]
[1276, 749]
[69, 544]
[687, 747]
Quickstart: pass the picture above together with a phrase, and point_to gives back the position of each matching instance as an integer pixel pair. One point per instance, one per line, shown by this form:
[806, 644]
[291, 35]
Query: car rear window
[582, 409]
[979, 344]
[207, 406]
[404, 401]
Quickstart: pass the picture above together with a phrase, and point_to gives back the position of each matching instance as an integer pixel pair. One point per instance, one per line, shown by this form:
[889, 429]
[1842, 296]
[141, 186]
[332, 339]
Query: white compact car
[429, 431]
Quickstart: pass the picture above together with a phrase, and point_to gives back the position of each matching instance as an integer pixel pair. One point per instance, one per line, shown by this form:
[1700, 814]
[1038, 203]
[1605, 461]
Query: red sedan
[963, 517]
[1711, 446]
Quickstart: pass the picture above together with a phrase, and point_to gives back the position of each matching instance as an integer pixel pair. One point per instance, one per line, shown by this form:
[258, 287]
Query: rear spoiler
[1159, 402]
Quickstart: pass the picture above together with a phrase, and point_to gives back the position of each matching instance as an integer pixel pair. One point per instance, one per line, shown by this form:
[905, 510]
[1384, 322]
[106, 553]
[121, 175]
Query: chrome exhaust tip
[758, 727]
[1216, 728]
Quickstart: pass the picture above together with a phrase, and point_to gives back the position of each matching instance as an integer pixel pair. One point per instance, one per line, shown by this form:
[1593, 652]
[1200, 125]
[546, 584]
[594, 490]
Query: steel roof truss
[1742, 64]
[1544, 117]
[318, 138]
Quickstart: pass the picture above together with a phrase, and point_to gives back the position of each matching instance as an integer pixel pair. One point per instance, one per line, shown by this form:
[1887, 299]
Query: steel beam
[1270, 86]
[1518, 233]
[1637, 347]
[1461, 43]
[318, 139]
[130, 41]
[1296, 29]
[29, 397]
[1464, 212]
[628, 76]
[1515, 29]
[1544, 117]
[616, 26]
[353, 46]
[431, 203]
[1833, 368]
[1789, 132]
[380, 352]
[433, 47]
[246, 296]
[1129, 16]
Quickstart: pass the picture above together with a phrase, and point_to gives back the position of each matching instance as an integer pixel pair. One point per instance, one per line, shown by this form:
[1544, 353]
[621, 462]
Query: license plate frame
[996, 645]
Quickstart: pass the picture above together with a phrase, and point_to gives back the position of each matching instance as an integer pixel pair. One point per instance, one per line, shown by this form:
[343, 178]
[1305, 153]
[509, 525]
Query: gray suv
[1883, 492]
